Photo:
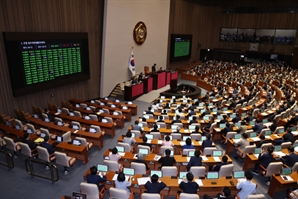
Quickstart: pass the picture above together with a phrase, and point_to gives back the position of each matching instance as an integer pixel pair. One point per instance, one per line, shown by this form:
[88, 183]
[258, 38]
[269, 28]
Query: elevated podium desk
[134, 91]
[148, 84]
[159, 80]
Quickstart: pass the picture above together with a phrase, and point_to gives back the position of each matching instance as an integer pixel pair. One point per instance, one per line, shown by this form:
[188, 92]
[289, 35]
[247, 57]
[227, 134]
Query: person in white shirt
[247, 186]
[114, 156]
[122, 183]
[128, 139]
[168, 141]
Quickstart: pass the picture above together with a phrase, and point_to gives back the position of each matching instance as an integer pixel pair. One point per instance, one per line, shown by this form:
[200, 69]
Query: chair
[161, 124]
[155, 134]
[248, 149]
[264, 130]
[295, 167]
[144, 124]
[151, 196]
[84, 142]
[169, 170]
[44, 155]
[45, 131]
[179, 124]
[25, 150]
[188, 196]
[97, 128]
[75, 125]
[256, 196]
[163, 148]
[198, 171]
[44, 116]
[278, 129]
[93, 117]
[18, 124]
[83, 105]
[272, 168]
[176, 136]
[112, 165]
[77, 114]
[196, 136]
[140, 146]
[248, 132]
[57, 120]
[266, 145]
[65, 111]
[255, 113]
[66, 137]
[119, 193]
[110, 120]
[11, 145]
[286, 145]
[229, 135]
[226, 170]
[127, 147]
[136, 132]
[213, 125]
[91, 190]
[238, 106]
[139, 168]
[34, 109]
[106, 110]
[277, 117]
[64, 160]
[31, 127]
[209, 150]
[185, 151]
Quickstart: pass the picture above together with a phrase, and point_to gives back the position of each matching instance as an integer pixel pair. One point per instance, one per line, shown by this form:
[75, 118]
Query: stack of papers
[182, 143]
[268, 137]
[142, 181]
[116, 175]
[279, 153]
[256, 139]
[288, 178]
[199, 182]
[204, 158]
[295, 132]
[39, 140]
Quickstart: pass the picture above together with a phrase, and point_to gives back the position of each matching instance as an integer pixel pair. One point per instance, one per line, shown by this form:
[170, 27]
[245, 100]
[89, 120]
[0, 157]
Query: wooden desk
[107, 127]
[10, 129]
[133, 107]
[95, 138]
[278, 184]
[80, 152]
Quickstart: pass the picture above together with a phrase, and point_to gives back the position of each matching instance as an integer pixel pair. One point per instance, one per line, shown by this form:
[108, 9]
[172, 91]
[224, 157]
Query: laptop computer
[192, 127]
[252, 123]
[185, 137]
[102, 168]
[191, 153]
[158, 173]
[277, 148]
[76, 142]
[129, 171]
[104, 120]
[149, 136]
[217, 153]
[253, 134]
[42, 135]
[237, 136]
[212, 175]
[257, 150]
[182, 174]
[120, 149]
[243, 114]
[239, 174]
[267, 133]
[286, 171]
[77, 195]
[203, 138]
[144, 151]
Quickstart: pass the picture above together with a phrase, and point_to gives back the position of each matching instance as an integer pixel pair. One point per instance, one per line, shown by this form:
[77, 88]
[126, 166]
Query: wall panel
[51, 16]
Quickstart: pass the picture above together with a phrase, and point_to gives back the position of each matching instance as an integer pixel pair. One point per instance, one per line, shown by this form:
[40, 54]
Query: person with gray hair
[140, 159]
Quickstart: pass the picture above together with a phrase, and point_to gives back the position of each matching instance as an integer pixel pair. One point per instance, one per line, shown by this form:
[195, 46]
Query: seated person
[262, 141]
[189, 186]
[149, 111]
[164, 112]
[265, 158]
[136, 126]
[258, 126]
[207, 142]
[160, 119]
[167, 141]
[94, 178]
[226, 194]
[30, 143]
[144, 143]
[247, 186]
[177, 120]
[197, 129]
[114, 156]
[290, 159]
[122, 183]
[242, 143]
[224, 161]
[196, 160]
[141, 160]
[154, 186]
[128, 139]
[236, 119]
[155, 128]
[46, 145]
[227, 129]
[167, 160]
[188, 144]
[242, 128]
[193, 120]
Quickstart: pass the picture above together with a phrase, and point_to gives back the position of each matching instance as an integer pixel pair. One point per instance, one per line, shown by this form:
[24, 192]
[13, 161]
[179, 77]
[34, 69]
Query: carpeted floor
[17, 184]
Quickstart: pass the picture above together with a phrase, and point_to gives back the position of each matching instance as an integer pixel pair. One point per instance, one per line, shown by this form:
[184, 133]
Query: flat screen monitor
[265, 121]
[76, 142]
[71, 114]
[140, 125]
[277, 148]
[257, 150]
[129, 171]
[214, 110]
[59, 123]
[267, 133]
[124, 107]
[203, 111]
[203, 138]
[87, 117]
[293, 128]
[239, 174]
[286, 171]
[149, 136]
[225, 109]
[115, 113]
[146, 116]
[243, 114]
[104, 120]
[76, 127]
[238, 124]
[174, 127]
[253, 134]
[217, 153]
[191, 153]
[222, 126]
[158, 173]
[18, 127]
[42, 135]
[220, 117]
[252, 123]
[44, 60]
[281, 131]
[206, 118]
[192, 127]
[232, 116]
[92, 130]
[120, 149]
[144, 151]
[212, 175]
[185, 137]
[59, 138]
[210, 104]
[237, 136]
[182, 174]
[29, 131]
[77, 195]
[102, 168]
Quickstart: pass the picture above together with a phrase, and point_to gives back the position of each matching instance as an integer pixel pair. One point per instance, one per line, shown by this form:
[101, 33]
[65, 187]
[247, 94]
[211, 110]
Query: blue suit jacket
[207, 143]
[49, 147]
[95, 179]
[265, 159]
[291, 159]
[194, 161]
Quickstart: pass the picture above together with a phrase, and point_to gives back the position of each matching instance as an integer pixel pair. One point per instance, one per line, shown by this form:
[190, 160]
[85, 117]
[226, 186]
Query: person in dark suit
[262, 141]
[224, 162]
[273, 126]
[155, 128]
[30, 143]
[46, 145]
[144, 143]
[160, 119]
[167, 160]
[290, 159]
[51, 118]
[137, 127]
[265, 158]
[177, 120]
[154, 186]
[249, 117]
[189, 186]
[141, 160]
[194, 120]
[207, 142]
[149, 111]
[258, 126]
[227, 129]
[191, 113]
[196, 160]
[153, 68]
[93, 178]
[226, 194]
[236, 119]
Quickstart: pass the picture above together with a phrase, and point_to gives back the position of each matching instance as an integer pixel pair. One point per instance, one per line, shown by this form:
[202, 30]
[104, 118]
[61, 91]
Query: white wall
[120, 18]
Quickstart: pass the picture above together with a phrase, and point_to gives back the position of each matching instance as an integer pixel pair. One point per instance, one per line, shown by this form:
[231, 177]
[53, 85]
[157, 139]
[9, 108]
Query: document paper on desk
[279, 153]
[159, 142]
[294, 132]
[116, 175]
[255, 139]
[216, 159]
[157, 157]
[182, 143]
[199, 182]
[142, 181]
[256, 155]
[288, 178]
[204, 158]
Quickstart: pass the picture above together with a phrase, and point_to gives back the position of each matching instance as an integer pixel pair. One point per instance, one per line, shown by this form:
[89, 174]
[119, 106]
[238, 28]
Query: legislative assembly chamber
[163, 99]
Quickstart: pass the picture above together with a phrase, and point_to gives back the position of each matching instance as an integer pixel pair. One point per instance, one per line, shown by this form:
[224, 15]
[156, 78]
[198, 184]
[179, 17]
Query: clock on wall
[140, 33]
[253, 47]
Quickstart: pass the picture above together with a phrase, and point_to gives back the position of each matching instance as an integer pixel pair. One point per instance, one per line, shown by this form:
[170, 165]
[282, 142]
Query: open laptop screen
[212, 175]
[182, 174]
[129, 171]
[144, 151]
[158, 173]
[76, 142]
[120, 149]
[286, 171]
[217, 153]
[239, 174]
[102, 168]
